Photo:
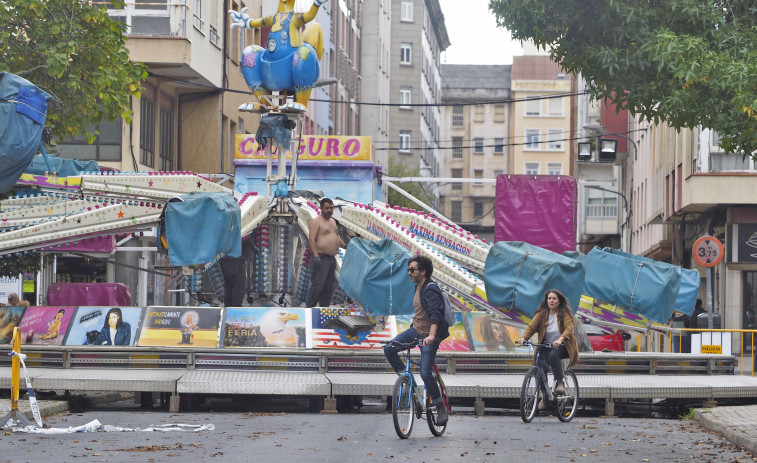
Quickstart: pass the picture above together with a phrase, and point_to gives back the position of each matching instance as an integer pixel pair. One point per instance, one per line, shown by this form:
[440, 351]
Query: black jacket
[433, 304]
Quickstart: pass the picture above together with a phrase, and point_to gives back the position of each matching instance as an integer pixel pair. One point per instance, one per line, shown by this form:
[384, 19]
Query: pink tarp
[88, 294]
[537, 209]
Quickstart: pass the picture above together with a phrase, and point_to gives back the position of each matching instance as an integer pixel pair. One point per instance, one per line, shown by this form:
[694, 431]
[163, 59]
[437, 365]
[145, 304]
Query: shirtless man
[324, 245]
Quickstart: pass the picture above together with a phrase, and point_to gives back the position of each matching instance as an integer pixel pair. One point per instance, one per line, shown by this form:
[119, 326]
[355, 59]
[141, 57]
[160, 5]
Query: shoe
[560, 388]
[543, 405]
[442, 415]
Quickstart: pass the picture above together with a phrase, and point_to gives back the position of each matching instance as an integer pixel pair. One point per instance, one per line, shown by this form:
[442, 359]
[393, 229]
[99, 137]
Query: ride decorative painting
[181, 326]
[45, 325]
[266, 327]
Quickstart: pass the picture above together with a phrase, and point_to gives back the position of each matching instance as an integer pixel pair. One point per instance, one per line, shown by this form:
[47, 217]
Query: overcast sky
[474, 34]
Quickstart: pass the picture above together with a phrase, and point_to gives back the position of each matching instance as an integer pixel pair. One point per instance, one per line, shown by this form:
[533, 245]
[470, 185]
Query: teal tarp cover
[23, 110]
[63, 166]
[200, 227]
[374, 274]
[518, 274]
[633, 282]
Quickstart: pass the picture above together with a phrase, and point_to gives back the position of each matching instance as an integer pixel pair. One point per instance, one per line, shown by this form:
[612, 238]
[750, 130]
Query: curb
[707, 420]
[51, 407]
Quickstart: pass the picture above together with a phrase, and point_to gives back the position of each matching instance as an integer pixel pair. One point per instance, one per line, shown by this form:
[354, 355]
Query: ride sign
[708, 251]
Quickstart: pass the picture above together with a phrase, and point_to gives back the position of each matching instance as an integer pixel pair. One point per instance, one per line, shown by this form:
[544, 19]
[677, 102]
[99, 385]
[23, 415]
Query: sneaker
[542, 405]
[560, 388]
[442, 415]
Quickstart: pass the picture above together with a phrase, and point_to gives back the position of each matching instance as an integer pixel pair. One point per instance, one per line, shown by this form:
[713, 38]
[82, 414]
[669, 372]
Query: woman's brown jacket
[565, 323]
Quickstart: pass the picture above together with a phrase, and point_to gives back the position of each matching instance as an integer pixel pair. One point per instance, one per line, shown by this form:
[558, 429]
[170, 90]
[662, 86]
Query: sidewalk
[737, 424]
[51, 407]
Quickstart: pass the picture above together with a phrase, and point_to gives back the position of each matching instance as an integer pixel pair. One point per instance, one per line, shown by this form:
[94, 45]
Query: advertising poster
[45, 325]
[10, 317]
[266, 327]
[8, 286]
[488, 334]
[345, 328]
[104, 326]
[180, 326]
[457, 340]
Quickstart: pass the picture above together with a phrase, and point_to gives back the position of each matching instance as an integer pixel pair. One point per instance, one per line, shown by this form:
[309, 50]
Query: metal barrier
[666, 341]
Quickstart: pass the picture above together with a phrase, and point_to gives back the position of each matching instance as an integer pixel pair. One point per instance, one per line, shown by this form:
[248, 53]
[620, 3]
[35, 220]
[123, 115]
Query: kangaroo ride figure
[288, 62]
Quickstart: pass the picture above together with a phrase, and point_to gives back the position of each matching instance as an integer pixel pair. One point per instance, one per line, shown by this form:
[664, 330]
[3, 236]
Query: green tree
[687, 62]
[398, 169]
[75, 52]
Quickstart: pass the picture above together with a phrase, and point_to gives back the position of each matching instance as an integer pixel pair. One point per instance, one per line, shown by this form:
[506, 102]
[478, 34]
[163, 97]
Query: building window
[499, 146]
[106, 147]
[533, 106]
[406, 12]
[406, 53]
[480, 111]
[457, 116]
[478, 174]
[457, 147]
[404, 141]
[601, 204]
[406, 95]
[532, 139]
[457, 211]
[478, 145]
[478, 210]
[555, 140]
[197, 19]
[147, 126]
[532, 168]
[498, 172]
[554, 168]
[166, 133]
[499, 113]
[555, 107]
[457, 173]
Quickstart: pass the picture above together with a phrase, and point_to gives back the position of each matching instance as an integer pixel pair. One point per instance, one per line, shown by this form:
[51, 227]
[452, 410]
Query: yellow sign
[311, 147]
[712, 349]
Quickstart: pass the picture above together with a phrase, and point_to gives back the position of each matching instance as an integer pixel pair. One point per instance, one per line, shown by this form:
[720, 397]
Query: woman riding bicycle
[553, 321]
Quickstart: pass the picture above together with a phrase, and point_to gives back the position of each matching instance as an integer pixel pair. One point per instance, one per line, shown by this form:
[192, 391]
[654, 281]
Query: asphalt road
[368, 437]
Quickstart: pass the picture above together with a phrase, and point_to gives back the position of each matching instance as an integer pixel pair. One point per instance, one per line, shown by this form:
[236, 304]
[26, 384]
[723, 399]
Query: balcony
[159, 18]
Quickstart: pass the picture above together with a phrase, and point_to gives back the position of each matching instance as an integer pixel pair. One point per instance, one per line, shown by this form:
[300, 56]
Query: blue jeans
[428, 356]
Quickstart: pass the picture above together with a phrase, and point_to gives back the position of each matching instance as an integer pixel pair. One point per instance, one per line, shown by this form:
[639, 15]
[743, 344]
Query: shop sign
[311, 147]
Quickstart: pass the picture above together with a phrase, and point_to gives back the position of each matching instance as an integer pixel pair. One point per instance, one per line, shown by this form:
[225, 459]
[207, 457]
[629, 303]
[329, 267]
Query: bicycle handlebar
[531, 344]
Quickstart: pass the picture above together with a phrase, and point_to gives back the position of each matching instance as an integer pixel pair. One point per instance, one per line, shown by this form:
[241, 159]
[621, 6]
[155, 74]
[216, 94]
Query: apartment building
[541, 119]
[418, 36]
[475, 127]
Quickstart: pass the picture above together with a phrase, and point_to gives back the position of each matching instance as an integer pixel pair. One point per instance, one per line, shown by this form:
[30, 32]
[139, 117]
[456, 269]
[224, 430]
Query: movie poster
[104, 326]
[45, 325]
[457, 340]
[489, 334]
[347, 328]
[266, 327]
[181, 326]
[10, 317]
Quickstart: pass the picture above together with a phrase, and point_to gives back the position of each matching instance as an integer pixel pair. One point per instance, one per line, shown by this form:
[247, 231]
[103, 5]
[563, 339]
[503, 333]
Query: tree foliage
[75, 52]
[686, 62]
[398, 169]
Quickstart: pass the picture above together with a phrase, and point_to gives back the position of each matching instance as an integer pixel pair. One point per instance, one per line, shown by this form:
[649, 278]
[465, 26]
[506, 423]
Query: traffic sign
[708, 251]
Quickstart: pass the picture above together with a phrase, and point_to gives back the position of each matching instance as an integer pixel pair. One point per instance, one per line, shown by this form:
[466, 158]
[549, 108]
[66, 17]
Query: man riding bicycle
[428, 324]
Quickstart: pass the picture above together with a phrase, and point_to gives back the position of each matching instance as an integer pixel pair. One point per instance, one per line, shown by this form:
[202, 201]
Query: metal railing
[666, 341]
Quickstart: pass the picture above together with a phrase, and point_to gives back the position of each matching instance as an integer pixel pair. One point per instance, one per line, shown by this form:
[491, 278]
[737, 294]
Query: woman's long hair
[562, 308]
[117, 311]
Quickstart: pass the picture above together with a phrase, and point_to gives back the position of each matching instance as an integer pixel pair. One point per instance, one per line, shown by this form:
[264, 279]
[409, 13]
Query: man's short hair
[326, 201]
[424, 263]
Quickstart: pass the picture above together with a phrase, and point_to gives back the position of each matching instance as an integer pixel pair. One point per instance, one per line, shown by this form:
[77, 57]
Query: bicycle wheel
[566, 404]
[403, 407]
[529, 395]
[431, 415]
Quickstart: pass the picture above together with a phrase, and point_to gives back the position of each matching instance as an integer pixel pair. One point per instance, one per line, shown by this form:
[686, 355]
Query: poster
[266, 327]
[104, 326]
[45, 325]
[10, 317]
[7, 286]
[457, 340]
[347, 328]
[489, 334]
[181, 326]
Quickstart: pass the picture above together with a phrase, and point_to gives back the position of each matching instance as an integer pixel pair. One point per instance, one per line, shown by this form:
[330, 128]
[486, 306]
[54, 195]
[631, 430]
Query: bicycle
[535, 383]
[410, 402]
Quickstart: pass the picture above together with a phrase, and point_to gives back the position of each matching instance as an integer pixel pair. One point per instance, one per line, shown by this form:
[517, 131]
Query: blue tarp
[63, 166]
[199, 227]
[517, 274]
[23, 109]
[632, 282]
[374, 274]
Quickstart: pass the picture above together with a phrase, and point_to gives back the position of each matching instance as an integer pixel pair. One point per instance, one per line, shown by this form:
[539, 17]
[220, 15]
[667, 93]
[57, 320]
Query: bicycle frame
[421, 396]
[542, 381]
